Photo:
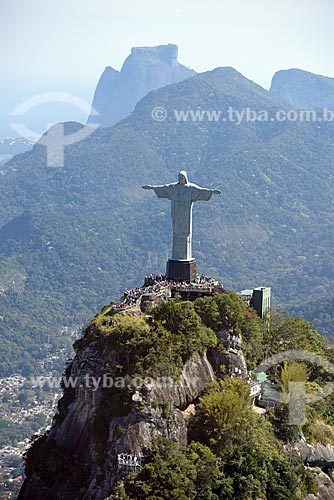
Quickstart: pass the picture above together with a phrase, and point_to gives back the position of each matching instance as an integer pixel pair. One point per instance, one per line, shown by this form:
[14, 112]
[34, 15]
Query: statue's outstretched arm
[162, 191]
[202, 194]
[148, 186]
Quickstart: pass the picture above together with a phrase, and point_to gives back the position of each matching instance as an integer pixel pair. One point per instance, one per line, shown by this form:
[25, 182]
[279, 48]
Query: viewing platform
[158, 286]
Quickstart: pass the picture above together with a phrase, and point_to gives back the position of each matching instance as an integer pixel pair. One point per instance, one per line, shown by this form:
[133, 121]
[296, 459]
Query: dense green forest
[72, 238]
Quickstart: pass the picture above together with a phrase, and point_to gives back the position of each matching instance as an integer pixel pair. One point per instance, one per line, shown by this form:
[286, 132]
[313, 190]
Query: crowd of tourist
[155, 283]
[131, 298]
[201, 281]
[151, 279]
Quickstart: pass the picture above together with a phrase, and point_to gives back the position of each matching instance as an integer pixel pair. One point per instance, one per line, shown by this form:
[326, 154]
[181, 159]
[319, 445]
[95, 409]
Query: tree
[185, 325]
[227, 311]
[188, 474]
[224, 419]
[245, 443]
[284, 333]
[292, 372]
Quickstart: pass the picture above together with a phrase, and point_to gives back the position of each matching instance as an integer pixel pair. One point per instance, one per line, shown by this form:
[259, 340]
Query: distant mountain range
[72, 237]
[150, 68]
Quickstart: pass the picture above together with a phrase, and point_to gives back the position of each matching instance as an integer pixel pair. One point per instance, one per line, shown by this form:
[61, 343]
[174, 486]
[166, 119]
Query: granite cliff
[145, 69]
[170, 376]
[97, 423]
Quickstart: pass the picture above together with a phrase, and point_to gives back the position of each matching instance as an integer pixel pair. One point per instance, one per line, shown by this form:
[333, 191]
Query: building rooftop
[246, 292]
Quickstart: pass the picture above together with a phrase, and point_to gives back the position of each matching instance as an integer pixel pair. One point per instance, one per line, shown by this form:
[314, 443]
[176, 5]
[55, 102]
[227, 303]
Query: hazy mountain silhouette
[302, 89]
[146, 69]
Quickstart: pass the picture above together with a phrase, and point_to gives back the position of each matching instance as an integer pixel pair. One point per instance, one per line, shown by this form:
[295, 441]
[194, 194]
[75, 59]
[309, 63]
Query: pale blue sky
[64, 45]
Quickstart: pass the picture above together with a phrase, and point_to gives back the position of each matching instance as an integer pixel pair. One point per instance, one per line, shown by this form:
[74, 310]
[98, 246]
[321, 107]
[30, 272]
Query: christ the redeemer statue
[182, 195]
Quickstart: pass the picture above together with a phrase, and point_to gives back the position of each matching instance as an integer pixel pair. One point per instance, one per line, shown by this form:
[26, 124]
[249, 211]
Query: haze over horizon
[65, 46]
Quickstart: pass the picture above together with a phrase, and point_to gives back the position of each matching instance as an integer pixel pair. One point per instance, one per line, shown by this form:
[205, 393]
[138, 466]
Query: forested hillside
[71, 238]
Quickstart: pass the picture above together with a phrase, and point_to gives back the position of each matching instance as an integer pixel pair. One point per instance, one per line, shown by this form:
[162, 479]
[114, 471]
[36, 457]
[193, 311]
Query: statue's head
[183, 177]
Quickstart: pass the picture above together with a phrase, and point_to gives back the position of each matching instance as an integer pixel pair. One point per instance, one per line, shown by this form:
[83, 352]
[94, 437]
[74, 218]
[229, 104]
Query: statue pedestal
[181, 270]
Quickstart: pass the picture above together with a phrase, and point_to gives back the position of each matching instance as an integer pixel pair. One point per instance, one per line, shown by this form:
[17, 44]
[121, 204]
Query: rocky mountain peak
[166, 53]
[302, 89]
[145, 69]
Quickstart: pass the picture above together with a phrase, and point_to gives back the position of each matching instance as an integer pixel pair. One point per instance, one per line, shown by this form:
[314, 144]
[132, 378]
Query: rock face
[303, 90]
[232, 357]
[146, 69]
[317, 457]
[102, 94]
[106, 423]
[80, 457]
[318, 454]
[326, 487]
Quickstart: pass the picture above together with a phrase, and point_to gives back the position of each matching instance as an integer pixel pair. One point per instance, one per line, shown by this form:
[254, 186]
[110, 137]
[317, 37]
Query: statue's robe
[182, 197]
